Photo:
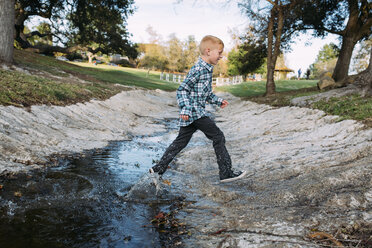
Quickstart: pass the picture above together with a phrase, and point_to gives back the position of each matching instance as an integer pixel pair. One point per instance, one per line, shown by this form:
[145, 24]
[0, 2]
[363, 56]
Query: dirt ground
[309, 177]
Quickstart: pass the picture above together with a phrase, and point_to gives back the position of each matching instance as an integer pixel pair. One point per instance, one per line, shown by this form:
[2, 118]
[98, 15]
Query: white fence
[177, 78]
[228, 81]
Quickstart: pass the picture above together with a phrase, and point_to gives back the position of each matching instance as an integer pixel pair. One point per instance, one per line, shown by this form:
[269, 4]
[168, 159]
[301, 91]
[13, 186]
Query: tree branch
[29, 35]
[342, 33]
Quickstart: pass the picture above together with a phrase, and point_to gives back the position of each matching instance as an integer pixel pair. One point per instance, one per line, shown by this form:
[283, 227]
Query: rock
[326, 82]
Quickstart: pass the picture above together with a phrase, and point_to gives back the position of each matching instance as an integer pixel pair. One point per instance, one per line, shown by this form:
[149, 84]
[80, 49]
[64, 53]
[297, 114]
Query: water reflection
[79, 204]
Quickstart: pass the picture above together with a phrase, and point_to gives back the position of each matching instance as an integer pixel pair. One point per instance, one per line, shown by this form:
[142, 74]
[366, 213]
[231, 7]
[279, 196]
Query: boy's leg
[210, 129]
[183, 138]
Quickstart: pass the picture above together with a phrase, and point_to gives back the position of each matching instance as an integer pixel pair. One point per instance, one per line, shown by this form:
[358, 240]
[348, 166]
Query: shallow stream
[79, 203]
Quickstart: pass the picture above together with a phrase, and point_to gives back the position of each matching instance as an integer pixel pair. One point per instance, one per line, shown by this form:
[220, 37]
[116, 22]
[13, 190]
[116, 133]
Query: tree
[233, 62]
[326, 60]
[362, 79]
[275, 17]
[153, 56]
[328, 52]
[351, 19]
[191, 52]
[175, 54]
[88, 25]
[221, 68]
[6, 30]
[248, 57]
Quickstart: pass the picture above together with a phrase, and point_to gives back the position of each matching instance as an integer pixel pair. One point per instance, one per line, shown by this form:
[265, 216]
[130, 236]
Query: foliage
[175, 55]
[328, 52]
[154, 62]
[326, 60]
[89, 25]
[248, 57]
[275, 23]
[44, 28]
[220, 69]
[153, 56]
[318, 69]
[361, 58]
[101, 22]
[351, 19]
[234, 63]
[191, 51]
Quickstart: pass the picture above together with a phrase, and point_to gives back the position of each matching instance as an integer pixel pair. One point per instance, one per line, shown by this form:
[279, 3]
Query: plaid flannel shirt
[195, 91]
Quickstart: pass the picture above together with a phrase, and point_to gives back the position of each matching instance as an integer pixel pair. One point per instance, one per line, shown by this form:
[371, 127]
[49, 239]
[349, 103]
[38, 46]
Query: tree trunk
[343, 61]
[273, 53]
[6, 30]
[362, 80]
[358, 26]
[90, 57]
[270, 84]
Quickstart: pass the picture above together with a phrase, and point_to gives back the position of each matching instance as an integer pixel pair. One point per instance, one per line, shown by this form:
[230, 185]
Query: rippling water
[80, 202]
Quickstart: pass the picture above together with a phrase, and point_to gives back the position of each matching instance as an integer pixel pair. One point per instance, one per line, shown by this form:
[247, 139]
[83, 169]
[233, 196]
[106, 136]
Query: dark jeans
[210, 129]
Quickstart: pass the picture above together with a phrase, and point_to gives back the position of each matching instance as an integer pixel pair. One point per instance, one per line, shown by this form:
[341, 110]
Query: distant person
[299, 74]
[308, 74]
[192, 95]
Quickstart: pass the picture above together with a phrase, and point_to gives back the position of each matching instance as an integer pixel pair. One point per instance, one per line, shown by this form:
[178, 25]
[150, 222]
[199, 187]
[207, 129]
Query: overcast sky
[215, 17]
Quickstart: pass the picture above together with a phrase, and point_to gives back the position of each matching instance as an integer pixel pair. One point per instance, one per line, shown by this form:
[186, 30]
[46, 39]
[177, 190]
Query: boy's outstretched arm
[213, 99]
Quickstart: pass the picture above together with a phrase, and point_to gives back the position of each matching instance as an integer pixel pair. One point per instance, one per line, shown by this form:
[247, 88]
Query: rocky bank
[307, 172]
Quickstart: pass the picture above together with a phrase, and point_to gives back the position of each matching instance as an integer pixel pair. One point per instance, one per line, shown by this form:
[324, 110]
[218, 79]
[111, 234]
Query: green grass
[258, 88]
[103, 73]
[347, 107]
[50, 81]
[127, 76]
[20, 89]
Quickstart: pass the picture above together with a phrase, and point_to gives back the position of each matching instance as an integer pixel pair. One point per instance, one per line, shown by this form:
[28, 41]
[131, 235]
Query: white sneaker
[234, 176]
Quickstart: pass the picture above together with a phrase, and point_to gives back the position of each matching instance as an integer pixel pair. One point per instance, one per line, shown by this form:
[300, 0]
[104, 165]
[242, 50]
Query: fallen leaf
[160, 215]
[17, 194]
[219, 231]
[167, 182]
[329, 237]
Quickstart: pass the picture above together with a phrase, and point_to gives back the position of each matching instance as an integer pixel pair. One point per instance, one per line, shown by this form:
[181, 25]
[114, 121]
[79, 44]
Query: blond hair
[209, 41]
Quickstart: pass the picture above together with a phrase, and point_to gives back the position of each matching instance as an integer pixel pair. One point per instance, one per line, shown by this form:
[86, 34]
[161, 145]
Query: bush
[124, 63]
[73, 56]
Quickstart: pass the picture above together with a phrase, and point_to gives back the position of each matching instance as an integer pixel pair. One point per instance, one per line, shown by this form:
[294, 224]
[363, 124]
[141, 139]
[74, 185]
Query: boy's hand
[184, 117]
[224, 103]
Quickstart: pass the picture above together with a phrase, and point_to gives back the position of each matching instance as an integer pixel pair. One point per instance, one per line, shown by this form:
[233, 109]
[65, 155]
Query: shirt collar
[208, 66]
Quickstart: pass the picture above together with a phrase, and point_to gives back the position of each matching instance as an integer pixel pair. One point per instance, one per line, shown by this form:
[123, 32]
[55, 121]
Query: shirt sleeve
[213, 99]
[183, 92]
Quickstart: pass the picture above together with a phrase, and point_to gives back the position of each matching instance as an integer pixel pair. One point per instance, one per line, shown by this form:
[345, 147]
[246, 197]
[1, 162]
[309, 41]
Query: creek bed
[79, 203]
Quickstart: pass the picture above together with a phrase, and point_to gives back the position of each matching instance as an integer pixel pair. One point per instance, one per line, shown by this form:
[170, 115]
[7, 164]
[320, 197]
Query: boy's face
[214, 54]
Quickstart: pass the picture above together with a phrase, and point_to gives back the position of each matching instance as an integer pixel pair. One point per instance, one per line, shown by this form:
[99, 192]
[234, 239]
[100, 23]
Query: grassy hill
[37, 79]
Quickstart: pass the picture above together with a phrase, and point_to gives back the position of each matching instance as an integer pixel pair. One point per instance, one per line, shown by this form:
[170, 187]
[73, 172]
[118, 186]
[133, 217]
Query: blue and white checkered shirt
[195, 91]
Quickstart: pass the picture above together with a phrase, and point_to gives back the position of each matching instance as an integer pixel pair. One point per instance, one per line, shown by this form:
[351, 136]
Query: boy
[192, 95]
